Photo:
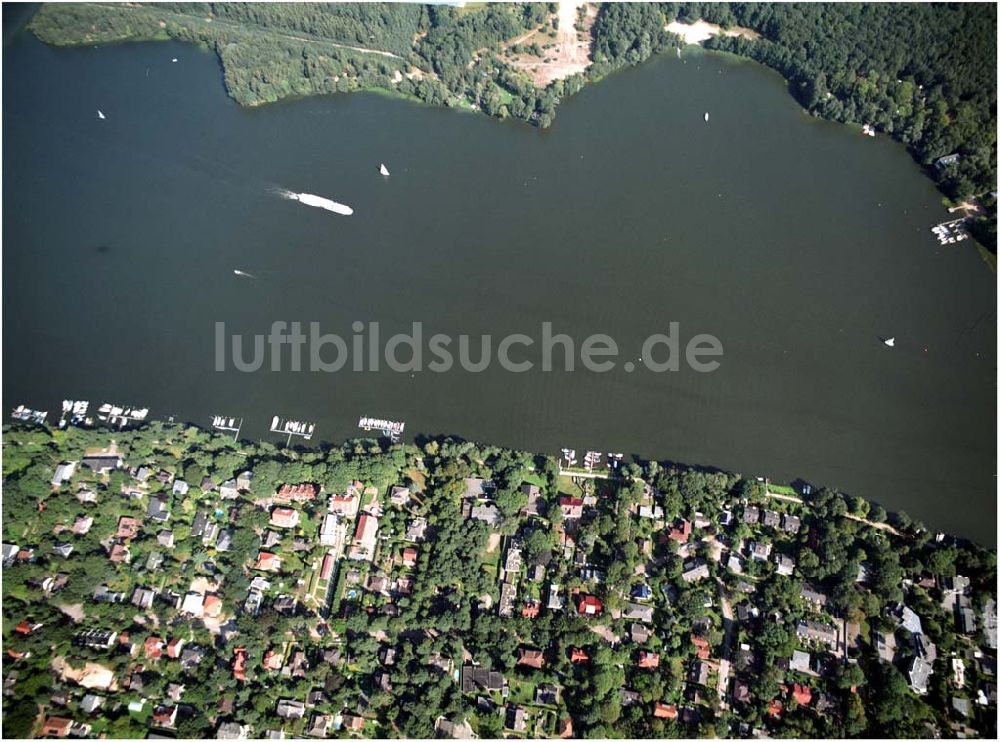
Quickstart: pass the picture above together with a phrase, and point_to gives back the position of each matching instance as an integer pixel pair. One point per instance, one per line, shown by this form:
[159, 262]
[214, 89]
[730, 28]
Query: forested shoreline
[923, 74]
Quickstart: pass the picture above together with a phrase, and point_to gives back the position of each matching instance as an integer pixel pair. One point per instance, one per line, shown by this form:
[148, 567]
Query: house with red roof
[153, 647]
[702, 647]
[531, 609]
[572, 507]
[273, 660]
[284, 518]
[365, 535]
[174, 647]
[212, 606]
[165, 716]
[56, 726]
[663, 711]
[566, 727]
[240, 663]
[679, 531]
[343, 505]
[268, 562]
[578, 656]
[128, 528]
[297, 492]
[27, 628]
[326, 570]
[530, 658]
[802, 694]
[409, 557]
[590, 605]
[649, 659]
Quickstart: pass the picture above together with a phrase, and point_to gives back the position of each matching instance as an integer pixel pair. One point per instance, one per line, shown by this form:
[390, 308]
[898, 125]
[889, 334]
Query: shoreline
[910, 528]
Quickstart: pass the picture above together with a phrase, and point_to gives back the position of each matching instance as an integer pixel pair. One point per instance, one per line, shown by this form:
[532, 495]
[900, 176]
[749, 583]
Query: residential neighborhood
[210, 589]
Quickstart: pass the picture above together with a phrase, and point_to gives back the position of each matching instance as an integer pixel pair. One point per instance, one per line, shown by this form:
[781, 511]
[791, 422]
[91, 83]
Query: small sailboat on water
[706, 117]
[383, 169]
[100, 114]
[244, 274]
[890, 342]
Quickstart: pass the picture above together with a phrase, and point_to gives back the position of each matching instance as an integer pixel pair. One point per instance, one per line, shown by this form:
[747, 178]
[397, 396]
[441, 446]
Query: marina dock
[24, 414]
[121, 415]
[74, 412]
[392, 429]
[228, 425]
[949, 233]
[292, 428]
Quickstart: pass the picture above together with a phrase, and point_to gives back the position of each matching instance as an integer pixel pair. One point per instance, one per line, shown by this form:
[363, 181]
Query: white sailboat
[244, 274]
[891, 342]
[706, 117]
[383, 169]
[100, 115]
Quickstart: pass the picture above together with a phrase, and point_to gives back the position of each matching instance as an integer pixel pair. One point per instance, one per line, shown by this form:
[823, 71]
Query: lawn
[567, 486]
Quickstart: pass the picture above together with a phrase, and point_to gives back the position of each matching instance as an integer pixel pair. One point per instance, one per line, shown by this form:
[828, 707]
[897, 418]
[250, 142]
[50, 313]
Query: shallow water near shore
[797, 242]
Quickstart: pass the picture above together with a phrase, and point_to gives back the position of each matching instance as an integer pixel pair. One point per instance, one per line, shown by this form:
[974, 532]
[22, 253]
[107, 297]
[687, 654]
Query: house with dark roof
[479, 678]
[488, 513]
[638, 633]
[699, 673]
[817, 631]
[638, 612]
[695, 570]
[516, 719]
[536, 504]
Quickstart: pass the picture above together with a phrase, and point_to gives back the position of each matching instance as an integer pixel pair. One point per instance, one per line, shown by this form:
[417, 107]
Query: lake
[798, 243]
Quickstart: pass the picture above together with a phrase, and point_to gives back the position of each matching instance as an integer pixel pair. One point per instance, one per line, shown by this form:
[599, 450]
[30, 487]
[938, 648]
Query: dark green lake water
[796, 242]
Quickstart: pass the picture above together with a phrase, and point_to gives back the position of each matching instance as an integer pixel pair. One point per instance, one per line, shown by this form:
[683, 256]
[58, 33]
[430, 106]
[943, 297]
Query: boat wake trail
[318, 201]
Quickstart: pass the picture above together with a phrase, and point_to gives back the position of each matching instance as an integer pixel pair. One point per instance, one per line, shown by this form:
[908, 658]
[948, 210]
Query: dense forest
[924, 74]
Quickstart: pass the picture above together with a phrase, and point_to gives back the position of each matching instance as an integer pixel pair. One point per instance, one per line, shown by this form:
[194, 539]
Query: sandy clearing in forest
[701, 31]
[569, 56]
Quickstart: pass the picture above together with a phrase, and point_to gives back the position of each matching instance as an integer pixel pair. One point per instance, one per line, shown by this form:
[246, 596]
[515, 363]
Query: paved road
[728, 625]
